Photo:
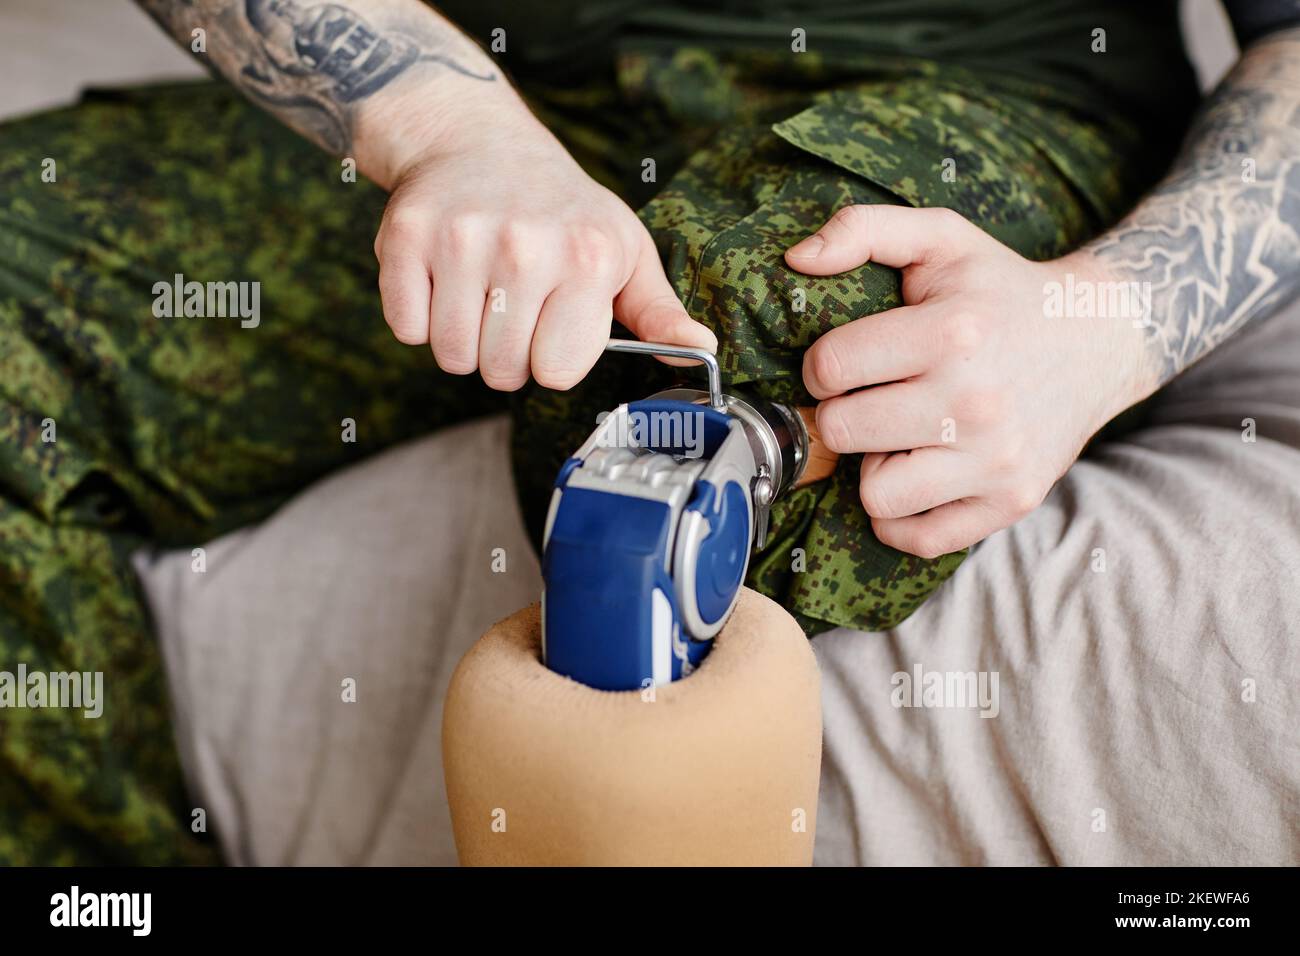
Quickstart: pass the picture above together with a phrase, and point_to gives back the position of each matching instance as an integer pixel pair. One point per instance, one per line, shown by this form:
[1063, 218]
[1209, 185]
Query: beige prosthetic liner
[720, 768]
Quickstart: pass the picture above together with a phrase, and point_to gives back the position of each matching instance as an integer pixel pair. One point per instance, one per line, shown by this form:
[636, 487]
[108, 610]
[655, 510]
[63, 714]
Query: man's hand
[1211, 250]
[505, 257]
[973, 398]
[495, 248]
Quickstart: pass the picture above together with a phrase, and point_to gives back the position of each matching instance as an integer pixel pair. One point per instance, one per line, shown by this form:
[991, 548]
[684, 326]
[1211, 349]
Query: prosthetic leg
[570, 734]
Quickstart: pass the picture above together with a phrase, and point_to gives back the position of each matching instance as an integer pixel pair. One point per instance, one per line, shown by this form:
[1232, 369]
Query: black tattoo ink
[1218, 241]
[309, 62]
[335, 43]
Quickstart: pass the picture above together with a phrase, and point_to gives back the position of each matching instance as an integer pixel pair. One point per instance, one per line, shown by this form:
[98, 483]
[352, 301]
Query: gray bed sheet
[1113, 680]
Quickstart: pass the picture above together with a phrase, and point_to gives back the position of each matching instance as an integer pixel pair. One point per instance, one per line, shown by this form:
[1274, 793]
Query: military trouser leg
[120, 428]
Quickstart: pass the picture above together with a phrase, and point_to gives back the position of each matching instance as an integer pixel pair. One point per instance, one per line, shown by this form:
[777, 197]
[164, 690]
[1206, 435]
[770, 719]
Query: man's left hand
[974, 397]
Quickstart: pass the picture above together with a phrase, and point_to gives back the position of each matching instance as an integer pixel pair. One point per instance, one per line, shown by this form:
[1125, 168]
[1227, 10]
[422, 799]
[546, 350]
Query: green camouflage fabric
[168, 431]
[783, 143]
[171, 431]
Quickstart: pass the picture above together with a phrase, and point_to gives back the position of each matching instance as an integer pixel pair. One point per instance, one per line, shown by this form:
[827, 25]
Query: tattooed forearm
[314, 63]
[1217, 244]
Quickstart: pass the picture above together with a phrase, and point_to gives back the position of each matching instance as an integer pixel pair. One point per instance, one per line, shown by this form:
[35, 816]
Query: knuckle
[876, 500]
[555, 384]
[823, 372]
[591, 252]
[885, 532]
[462, 234]
[984, 406]
[963, 333]
[971, 273]
[948, 220]
[1023, 497]
[834, 428]
[558, 370]
[503, 379]
[455, 362]
[519, 246]
[398, 230]
[390, 288]
[407, 321]
[454, 353]
[929, 545]
[1009, 455]
[407, 333]
[923, 542]
[855, 218]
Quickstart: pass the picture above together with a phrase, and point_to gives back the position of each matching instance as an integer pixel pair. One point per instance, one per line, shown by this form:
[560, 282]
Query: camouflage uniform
[785, 149]
[172, 431]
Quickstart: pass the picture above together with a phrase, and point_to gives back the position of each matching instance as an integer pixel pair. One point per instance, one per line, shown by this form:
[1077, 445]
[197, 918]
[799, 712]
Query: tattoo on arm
[312, 63]
[1218, 240]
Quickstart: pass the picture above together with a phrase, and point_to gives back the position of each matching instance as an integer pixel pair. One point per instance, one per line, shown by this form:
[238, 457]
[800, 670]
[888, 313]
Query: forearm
[1216, 246]
[381, 81]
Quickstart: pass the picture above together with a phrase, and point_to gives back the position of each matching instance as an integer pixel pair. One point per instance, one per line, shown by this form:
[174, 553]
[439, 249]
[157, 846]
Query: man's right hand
[505, 257]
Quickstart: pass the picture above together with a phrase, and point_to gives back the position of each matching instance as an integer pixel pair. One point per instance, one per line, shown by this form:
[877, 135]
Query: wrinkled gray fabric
[1121, 690]
[1121, 734]
[382, 574]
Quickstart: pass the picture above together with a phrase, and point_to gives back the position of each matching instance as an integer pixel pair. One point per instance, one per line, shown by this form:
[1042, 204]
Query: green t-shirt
[1122, 57]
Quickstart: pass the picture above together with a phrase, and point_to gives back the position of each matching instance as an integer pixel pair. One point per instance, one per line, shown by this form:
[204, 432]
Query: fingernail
[810, 248]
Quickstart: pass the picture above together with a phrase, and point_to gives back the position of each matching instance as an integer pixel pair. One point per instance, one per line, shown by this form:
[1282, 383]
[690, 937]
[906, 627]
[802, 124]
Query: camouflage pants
[121, 429]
